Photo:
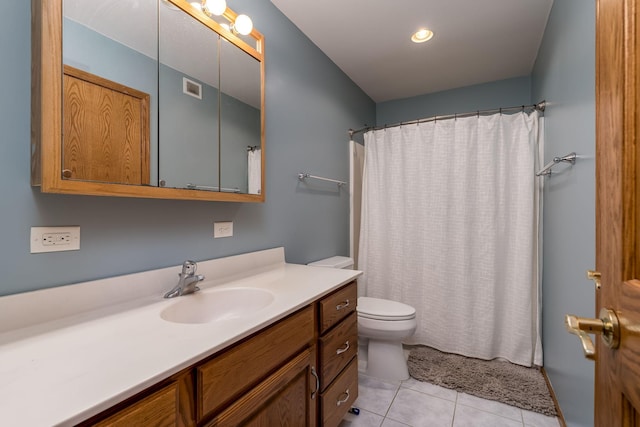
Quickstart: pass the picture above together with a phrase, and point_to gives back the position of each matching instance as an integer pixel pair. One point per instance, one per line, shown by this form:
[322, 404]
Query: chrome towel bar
[546, 170]
[302, 176]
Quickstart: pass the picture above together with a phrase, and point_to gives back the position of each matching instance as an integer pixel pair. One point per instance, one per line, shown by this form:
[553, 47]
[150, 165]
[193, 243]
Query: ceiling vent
[191, 88]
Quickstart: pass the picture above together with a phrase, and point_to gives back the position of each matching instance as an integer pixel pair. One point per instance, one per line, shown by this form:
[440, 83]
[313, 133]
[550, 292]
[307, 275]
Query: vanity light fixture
[242, 23]
[422, 35]
[214, 7]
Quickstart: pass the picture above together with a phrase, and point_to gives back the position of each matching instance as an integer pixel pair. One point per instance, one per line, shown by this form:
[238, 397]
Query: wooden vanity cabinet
[248, 378]
[283, 399]
[168, 403]
[338, 344]
[300, 371]
[157, 409]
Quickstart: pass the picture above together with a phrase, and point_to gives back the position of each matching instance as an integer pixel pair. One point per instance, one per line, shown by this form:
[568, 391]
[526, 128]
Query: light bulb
[243, 25]
[421, 36]
[215, 7]
[196, 5]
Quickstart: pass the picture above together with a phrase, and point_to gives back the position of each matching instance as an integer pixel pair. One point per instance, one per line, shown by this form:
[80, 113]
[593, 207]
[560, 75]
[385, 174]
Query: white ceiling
[476, 41]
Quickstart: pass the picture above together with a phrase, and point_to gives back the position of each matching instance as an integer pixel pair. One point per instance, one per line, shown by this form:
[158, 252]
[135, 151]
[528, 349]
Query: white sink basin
[217, 305]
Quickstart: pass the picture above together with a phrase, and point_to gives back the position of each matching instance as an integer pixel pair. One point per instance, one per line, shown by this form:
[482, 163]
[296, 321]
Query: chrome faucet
[188, 280]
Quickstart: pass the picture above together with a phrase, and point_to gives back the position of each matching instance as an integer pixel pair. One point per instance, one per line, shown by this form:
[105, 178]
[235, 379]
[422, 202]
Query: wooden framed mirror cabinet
[152, 99]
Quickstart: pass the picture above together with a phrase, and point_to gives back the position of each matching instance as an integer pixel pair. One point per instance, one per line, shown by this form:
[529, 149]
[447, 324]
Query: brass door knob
[595, 276]
[607, 326]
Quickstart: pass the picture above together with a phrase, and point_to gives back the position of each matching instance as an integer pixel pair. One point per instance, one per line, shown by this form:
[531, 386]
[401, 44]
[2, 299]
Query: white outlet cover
[65, 239]
[222, 229]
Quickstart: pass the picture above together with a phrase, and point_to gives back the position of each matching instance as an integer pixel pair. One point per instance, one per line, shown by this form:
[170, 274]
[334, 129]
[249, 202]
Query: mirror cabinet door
[240, 121]
[146, 98]
[109, 89]
[189, 102]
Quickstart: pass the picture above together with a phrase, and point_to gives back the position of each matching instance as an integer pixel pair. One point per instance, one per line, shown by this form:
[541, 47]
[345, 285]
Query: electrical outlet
[222, 229]
[55, 239]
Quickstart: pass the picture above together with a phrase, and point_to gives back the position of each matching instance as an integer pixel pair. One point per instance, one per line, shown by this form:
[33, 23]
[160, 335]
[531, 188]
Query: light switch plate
[55, 239]
[222, 229]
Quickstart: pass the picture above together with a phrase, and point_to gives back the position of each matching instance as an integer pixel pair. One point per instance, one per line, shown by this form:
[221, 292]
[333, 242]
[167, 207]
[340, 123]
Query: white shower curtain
[451, 226]
[356, 166]
[254, 167]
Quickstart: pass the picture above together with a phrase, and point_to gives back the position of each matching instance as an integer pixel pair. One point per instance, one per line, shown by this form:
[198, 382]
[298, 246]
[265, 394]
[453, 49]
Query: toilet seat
[382, 309]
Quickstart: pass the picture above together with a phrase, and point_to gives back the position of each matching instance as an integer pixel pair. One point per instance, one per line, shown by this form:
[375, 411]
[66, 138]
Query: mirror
[151, 98]
[240, 120]
[189, 102]
[107, 135]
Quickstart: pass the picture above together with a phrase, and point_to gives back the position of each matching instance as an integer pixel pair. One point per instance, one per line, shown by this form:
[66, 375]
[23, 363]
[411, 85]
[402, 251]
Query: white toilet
[382, 325]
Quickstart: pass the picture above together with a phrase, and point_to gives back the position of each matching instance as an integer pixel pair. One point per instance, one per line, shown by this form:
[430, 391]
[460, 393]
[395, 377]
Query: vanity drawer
[158, 409]
[338, 398]
[337, 306]
[337, 348]
[234, 371]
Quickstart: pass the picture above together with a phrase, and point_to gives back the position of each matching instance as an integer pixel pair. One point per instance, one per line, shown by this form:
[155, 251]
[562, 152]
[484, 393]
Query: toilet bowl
[382, 325]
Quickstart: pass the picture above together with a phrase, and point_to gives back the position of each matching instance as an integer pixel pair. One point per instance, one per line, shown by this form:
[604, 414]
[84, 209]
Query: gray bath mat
[505, 382]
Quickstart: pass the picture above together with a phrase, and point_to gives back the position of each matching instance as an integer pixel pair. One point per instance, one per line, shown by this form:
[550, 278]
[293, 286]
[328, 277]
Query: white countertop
[69, 353]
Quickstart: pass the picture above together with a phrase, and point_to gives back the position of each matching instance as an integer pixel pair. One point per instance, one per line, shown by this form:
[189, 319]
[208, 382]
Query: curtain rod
[540, 106]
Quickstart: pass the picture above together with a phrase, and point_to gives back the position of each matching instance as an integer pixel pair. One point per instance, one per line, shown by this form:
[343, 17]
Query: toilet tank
[334, 262]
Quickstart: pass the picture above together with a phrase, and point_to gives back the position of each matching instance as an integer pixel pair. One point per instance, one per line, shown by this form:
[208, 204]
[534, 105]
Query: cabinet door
[158, 410]
[286, 398]
[106, 130]
[230, 374]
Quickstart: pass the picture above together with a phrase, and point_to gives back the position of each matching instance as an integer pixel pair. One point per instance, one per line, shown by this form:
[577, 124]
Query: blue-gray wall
[564, 75]
[310, 104]
[503, 93]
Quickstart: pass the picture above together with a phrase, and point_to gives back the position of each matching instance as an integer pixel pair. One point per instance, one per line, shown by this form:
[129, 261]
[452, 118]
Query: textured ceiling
[476, 41]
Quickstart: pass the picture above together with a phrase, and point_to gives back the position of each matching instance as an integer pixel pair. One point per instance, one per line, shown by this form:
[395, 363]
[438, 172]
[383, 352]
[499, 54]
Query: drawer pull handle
[342, 305]
[343, 349]
[315, 374]
[343, 400]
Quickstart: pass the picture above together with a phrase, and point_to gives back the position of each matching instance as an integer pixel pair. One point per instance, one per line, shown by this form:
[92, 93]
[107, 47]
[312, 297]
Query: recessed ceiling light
[422, 36]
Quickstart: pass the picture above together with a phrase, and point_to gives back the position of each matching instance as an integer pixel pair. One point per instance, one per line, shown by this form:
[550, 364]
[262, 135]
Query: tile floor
[416, 404]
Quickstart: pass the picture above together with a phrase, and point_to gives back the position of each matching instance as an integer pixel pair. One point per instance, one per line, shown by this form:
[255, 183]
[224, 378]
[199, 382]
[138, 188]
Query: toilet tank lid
[334, 262]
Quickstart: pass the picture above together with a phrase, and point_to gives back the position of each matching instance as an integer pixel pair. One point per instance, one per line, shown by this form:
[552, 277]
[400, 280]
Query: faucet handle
[189, 267]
